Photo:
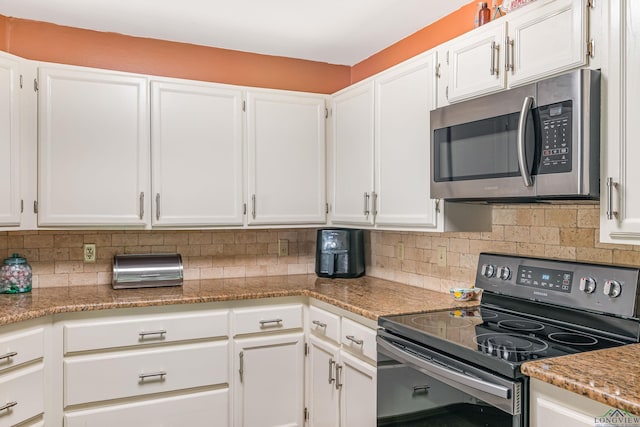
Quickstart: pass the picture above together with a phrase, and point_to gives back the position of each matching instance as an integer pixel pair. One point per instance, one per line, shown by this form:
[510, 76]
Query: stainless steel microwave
[535, 142]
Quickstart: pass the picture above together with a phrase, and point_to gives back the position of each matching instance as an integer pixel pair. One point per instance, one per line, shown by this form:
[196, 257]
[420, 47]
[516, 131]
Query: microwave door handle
[522, 155]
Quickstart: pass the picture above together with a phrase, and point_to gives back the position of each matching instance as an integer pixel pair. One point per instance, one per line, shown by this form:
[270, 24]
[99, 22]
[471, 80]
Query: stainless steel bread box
[147, 270]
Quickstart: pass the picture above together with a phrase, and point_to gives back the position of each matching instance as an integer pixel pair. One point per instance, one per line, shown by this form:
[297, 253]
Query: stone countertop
[610, 376]
[366, 296]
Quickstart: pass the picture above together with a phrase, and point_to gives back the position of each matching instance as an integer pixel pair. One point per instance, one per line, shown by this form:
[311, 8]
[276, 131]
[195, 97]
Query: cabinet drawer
[209, 408]
[25, 388]
[145, 329]
[252, 320]
[166, 369]
[20, 347]
[358, 339]
[324, 324]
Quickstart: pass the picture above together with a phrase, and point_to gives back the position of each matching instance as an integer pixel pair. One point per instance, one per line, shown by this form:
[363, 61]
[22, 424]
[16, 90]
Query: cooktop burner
[521, 325]
[512, 347]
[573, 339]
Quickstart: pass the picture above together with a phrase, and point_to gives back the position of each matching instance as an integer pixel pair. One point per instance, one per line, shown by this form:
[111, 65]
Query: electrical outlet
[442, 256]
[89, 250]
[400, 251]
[283, 247]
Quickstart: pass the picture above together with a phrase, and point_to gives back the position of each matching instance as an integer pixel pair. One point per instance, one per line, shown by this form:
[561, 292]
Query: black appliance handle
[441, 372]
[522, 155]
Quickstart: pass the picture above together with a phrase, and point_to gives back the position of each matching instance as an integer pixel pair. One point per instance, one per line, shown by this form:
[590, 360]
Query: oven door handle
[522, 154]
[436, 370]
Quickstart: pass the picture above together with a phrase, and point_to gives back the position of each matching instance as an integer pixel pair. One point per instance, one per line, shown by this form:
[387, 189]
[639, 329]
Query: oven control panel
[597, 287]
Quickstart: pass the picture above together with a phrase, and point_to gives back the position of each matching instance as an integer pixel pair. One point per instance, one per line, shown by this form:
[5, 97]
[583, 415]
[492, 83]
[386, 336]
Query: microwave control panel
[555, 125]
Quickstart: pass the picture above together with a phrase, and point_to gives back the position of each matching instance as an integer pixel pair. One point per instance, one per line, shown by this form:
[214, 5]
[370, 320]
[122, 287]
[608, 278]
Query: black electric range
[530, 309]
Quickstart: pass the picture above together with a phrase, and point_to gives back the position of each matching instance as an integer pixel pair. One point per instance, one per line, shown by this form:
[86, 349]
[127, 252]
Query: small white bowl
[464, 294]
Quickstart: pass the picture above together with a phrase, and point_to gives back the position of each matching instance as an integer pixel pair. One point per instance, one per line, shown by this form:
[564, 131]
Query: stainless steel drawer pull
[338, 374]
[331, 363]
[160, 375]
[366, 205]
[241, 368]
[319, 323]
[354, 339]
[160, 334]
[265, 323]
[8, 355]
[157, 206]
[8, 406]
[420, 389]
[611, 184]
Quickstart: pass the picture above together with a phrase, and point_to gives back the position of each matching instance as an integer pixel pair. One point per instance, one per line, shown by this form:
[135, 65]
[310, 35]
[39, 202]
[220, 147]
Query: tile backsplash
[556, 231]
[57, 256]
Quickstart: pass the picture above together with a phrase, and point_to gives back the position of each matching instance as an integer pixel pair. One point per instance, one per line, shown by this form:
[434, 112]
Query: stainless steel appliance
[339, 253]
[539, 141]
[462, 367]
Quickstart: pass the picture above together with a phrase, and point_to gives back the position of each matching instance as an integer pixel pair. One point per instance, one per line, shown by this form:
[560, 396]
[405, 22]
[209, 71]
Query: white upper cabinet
[620, 200]
[9, 141]
[475, 63]
[353, 181]
[196, 151]
[539, 40]
[404, 98]
[93, 148]
[286, 157]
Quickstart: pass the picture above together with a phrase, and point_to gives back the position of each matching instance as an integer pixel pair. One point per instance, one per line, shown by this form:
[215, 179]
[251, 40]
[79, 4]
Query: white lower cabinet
[269, 380]
[341, 376]
[208, 408]
[553, 406]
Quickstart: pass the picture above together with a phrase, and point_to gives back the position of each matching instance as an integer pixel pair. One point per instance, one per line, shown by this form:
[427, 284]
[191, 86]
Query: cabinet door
[268, 380]
[404, 99]
[323, 396]
[286, 140]
[547, 39]
[196, 147]
[622, 151]
[9, 142]
[358, 394]
[475, 63]
[93, 148]
[353, 189]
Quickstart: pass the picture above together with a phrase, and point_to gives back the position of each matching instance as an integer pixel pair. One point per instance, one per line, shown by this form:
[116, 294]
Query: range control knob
[488, 270]
[612, 288]
[504, 273]
[587, 285]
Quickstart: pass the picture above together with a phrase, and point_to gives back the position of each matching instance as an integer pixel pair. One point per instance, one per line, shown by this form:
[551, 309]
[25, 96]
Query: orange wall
[54, 43]
[459, 22]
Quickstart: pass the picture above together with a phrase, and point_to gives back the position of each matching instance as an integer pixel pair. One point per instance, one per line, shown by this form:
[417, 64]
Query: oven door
[420, 387]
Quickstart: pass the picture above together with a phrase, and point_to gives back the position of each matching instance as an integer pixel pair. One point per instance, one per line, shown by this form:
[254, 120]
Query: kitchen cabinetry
[552, 405]
[620, 201]
[22, 373]
[537, 41]
[381, 155]
[196, 151]
[9, 141]
[145, 356]
[93, 148]
[341, 372]
[286, 157]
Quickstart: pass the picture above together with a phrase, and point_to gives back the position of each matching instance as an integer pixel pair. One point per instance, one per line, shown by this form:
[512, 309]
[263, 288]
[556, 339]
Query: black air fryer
[339, 253]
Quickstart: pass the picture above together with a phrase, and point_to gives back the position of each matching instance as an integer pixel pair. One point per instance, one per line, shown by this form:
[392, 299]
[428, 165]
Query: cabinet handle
[160, 375]
[354, 339]
[510, 59]
[141, 205]
[266, 323]
[331, 363]
[8, 406]
[241, 369]
[253, 206]
[611, 214]
[438, 75]
[338, 374]
[374, 202]
[319, 323]
[495, 61]
[366, 204]
[421, 389]
[8, 355]
[158, 206]
[159, 332]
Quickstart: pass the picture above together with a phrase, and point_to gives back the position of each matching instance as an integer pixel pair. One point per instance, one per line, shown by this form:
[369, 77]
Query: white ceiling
[335, 31]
